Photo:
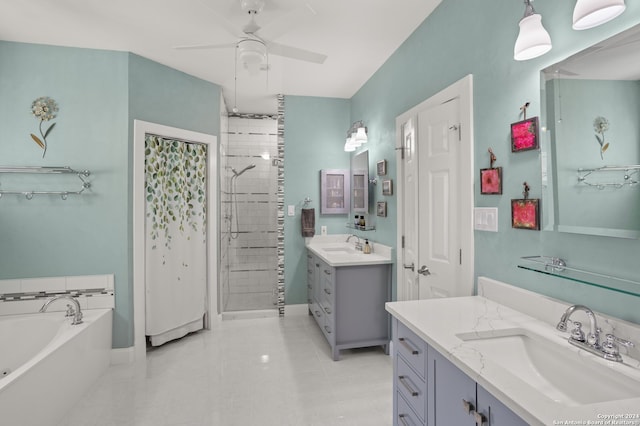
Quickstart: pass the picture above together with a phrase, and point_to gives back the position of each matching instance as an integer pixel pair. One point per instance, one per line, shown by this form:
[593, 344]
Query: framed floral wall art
[524, 135]
[491, 181]
[525, 214]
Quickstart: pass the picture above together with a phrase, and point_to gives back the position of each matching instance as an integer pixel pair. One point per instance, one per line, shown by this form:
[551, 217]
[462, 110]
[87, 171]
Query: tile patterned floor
[267, 371]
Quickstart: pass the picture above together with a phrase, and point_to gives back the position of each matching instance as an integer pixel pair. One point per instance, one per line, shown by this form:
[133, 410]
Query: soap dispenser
[367, 247]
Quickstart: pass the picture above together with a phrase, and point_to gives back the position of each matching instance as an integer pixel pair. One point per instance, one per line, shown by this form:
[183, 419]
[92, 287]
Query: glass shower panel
[249, 237]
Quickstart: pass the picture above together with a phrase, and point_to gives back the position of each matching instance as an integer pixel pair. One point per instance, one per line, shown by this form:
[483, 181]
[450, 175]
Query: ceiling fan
[252, 49]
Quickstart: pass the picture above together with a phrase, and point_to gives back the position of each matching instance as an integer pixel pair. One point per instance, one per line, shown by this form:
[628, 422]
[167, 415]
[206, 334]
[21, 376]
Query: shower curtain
[176, 246]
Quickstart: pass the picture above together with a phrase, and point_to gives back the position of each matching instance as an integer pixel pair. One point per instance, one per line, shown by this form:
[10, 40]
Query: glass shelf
[361, 228]
[556, 267]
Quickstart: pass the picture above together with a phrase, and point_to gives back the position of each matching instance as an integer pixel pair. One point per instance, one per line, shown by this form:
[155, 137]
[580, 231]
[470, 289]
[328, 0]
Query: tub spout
[74, 311]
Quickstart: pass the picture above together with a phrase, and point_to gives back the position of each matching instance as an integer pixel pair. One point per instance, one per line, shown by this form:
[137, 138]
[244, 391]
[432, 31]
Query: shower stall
[250, 228]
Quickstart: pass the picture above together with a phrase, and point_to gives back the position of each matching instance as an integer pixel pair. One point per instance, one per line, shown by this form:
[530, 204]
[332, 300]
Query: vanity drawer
[406, 415]
[411, 387]
[412, 348]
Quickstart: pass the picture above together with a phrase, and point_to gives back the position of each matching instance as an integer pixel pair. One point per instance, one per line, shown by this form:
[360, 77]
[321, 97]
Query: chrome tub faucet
[72, 311]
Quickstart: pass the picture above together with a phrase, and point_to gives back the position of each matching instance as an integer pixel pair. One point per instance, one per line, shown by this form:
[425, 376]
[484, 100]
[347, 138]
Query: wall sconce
[356, 136]
[533, 40]
[591, 13]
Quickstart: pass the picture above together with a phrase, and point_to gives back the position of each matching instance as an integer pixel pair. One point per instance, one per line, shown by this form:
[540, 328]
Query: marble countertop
[327, 248]
[439, 321]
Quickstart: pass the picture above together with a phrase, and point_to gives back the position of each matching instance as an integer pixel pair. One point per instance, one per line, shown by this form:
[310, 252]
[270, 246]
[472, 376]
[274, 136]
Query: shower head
[236, 173]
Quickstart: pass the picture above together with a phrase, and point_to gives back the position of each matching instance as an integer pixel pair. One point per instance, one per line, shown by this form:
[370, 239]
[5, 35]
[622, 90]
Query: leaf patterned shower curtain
[176, 246]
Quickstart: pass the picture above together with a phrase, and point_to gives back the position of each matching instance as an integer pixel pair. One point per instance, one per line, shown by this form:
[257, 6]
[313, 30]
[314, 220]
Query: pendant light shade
[533, 40]
[361, 135]
[591, 13]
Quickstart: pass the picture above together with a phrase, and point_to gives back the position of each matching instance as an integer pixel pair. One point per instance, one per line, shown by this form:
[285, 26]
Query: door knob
[412, 266]
[424, 270]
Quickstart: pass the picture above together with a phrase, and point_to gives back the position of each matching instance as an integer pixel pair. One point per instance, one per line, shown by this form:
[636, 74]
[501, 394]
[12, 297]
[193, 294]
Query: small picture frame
[525, 213]
[387, 187]
[381, 209]
[524, 135]
[491, 181]
[381, 167]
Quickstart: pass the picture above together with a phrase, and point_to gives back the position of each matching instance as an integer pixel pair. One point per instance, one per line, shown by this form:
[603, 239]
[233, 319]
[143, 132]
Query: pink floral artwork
[525, 214]
[491, 181]
[524, 135]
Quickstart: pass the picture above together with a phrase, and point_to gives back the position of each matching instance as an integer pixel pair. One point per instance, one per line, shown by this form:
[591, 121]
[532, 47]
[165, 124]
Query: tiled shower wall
[248, 247]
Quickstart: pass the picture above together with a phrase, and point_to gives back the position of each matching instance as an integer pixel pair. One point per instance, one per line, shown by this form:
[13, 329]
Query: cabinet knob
[468, 406]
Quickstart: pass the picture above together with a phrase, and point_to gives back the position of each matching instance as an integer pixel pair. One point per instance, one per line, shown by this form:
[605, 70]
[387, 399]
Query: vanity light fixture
[533, 40]
[591, 13]
[356, 136]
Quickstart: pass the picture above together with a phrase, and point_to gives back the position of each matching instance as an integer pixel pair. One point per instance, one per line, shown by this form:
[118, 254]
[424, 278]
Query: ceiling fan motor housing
[252, 7]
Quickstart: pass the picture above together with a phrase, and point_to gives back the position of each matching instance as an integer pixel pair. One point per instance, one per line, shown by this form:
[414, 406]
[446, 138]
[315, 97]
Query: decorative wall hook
[492, 158]
[525, 192]
[523, 108]
[44, 109]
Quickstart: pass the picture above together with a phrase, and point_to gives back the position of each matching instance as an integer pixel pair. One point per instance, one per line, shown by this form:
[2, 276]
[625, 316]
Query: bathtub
[47, 364]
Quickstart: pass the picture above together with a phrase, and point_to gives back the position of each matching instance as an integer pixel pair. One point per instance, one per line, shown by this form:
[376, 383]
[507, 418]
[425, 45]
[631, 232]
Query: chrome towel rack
[81, 174]
[626, 175]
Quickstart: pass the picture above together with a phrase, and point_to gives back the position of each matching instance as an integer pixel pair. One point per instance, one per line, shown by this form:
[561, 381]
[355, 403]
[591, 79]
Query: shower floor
[249, 301]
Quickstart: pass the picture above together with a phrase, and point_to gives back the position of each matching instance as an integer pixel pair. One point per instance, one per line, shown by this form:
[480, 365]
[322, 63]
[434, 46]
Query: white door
[439, 248]
[409, 279]
[435, 195]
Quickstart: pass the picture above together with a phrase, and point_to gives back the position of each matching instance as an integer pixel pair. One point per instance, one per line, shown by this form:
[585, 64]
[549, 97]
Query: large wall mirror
[591, 149]
[360, 182]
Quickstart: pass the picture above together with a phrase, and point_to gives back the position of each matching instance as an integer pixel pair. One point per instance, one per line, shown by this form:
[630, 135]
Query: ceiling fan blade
[294, 53]
[205, 46]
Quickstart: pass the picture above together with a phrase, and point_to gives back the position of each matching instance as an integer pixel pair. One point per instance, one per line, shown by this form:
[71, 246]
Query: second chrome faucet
[591, 342]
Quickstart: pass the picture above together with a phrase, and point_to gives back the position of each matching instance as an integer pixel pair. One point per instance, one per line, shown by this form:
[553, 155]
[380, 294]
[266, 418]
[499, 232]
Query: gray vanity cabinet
[429, 390]
[347, 303]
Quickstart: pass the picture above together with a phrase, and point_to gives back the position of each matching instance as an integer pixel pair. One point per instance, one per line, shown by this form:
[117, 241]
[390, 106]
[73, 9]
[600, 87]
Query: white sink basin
[567, 376]
[340, 250]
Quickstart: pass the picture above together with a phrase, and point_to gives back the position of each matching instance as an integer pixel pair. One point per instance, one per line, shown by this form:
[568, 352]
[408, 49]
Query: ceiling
[357, 36]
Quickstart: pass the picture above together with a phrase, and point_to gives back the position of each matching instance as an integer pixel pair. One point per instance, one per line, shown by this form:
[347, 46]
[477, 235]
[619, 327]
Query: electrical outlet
[291, 210]
[323, 230]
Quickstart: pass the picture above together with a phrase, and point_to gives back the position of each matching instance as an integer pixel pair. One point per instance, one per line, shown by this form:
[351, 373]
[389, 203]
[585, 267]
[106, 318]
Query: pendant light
[591, 13]
[533, 40]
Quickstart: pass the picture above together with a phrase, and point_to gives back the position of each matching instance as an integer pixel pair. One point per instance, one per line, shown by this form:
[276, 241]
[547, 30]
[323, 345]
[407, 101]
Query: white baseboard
[122, 355]
[293, 310]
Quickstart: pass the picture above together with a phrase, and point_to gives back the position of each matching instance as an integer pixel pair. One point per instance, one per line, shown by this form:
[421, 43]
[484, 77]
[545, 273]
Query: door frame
[140, 129]
[463, 90]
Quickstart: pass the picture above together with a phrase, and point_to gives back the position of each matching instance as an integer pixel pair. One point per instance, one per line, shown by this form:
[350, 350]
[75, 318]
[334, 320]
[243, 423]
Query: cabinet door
[334, 191]
[495, 412]
[360, 188]
[453, 393]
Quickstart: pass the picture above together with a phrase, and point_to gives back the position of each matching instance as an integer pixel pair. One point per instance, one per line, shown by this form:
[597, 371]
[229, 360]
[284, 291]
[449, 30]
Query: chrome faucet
[358, 243]
[593, 338]
[72, 311]
[608, 350]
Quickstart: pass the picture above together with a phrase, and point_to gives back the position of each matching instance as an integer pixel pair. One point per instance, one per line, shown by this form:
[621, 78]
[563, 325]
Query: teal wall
[470, 37]
[99, 93]
[315, 130]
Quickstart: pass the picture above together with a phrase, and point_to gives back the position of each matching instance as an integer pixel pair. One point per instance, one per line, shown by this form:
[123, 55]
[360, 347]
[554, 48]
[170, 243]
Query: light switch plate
[291, 210]
[485, 219]
[323, 230]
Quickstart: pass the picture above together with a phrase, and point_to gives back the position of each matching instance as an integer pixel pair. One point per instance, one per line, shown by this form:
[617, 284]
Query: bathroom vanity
[498, 359]
[347, 291]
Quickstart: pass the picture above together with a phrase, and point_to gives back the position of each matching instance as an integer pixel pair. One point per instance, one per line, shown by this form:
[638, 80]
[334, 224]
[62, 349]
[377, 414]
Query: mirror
[590, 152]
[360, 183]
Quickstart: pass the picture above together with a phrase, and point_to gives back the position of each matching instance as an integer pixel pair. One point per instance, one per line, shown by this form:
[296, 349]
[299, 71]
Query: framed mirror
[590, 150]
[360, 182]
